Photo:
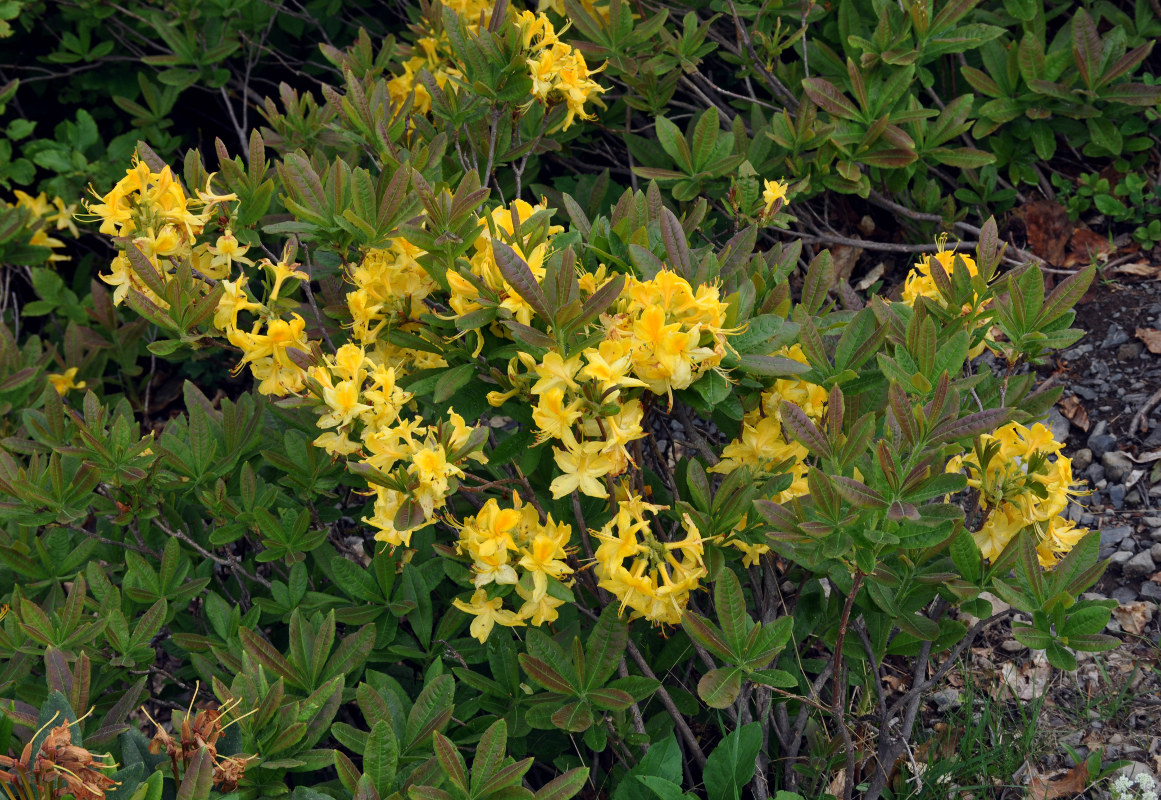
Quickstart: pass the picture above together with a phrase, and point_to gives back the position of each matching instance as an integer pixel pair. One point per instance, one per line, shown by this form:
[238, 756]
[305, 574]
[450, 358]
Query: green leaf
[451, 382]
[774, 677]
[605, 647]
[720, 687]
[730, 767]
[381, 757]
[730, 603]
[564, 787]
[198, 778]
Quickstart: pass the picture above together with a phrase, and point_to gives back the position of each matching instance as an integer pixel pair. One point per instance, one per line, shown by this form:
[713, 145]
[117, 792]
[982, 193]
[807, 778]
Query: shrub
[500, 484]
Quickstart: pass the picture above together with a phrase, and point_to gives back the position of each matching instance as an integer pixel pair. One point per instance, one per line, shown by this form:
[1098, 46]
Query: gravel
[1139, 566]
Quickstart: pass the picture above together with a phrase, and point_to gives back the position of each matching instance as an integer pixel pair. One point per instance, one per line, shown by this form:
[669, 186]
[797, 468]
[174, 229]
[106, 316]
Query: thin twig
[839, 697]
[1140, 420]
[667, 701]
[887, 247]
[231, 562]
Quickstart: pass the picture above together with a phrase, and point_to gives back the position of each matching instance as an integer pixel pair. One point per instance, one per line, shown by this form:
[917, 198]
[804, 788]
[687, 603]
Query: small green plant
[1134, 200]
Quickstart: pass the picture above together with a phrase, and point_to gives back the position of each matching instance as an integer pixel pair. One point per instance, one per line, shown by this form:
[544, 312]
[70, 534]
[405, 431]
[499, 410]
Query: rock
[1139, 566]
[1117, 495]
[1095, 473]
[947, 699]
[1129, 350]
[1123, 594]
[1155, 551]
[1152, 522]
[1117, 466]
[1115, 337]
[1101, 444]
[1058, 424]
[1150, 590]
[1011, 646]
[1111, 537]
[1122, 557]
[1081, 459]
[1155, 534]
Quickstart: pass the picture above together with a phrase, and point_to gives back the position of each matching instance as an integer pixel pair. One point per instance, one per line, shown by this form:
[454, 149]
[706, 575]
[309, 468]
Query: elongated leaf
[858, 494]
[545, 675]
[564, 787]
[730, 767]
[676, 247]
[971, 425]
[731, 607]
[519, 276]
[198, 779]
[801, 428]
[605, 647]
[381, 756]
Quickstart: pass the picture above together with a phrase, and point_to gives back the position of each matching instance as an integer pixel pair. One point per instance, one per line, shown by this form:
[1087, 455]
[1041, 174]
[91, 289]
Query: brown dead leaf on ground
[1133, 617]
[869, 279]
[1074, 412]
[1151, 337]
[1086, 245]
[1139, 270]
[1048, 229]
[1027, 681]
[1062, 784]
[845, 257]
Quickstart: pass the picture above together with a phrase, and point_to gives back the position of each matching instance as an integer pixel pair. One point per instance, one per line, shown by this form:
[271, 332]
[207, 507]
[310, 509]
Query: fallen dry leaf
[1048, 228]
[1133, 617]
[1074, 412]
[1067, 784]
[872, 276]
[845, 257]
[1084, 246]
[838, 783]
[1151, 337]
[1139, 270]
[1029, 680]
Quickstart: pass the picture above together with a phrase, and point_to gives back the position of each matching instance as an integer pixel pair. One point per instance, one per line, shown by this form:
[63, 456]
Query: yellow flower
[582, 467]
[487, 613]
[65, 381]
[773, 193]
[282, 271]
[554, 418]
[228, 250]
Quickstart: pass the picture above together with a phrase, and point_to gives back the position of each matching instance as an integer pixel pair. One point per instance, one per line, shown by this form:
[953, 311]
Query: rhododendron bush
[615, 487]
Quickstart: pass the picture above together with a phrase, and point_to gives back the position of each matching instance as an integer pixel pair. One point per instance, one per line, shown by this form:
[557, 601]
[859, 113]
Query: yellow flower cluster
[151, 209]
[424, 461]
[511, 547]
[432, 52]
[920, 283]
[764, 448]
[662, 337]
[1026, 482]
[360, 399]
[43, 216]
[671, 332]
[558, 70]
[651, 577]
[465, 295]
